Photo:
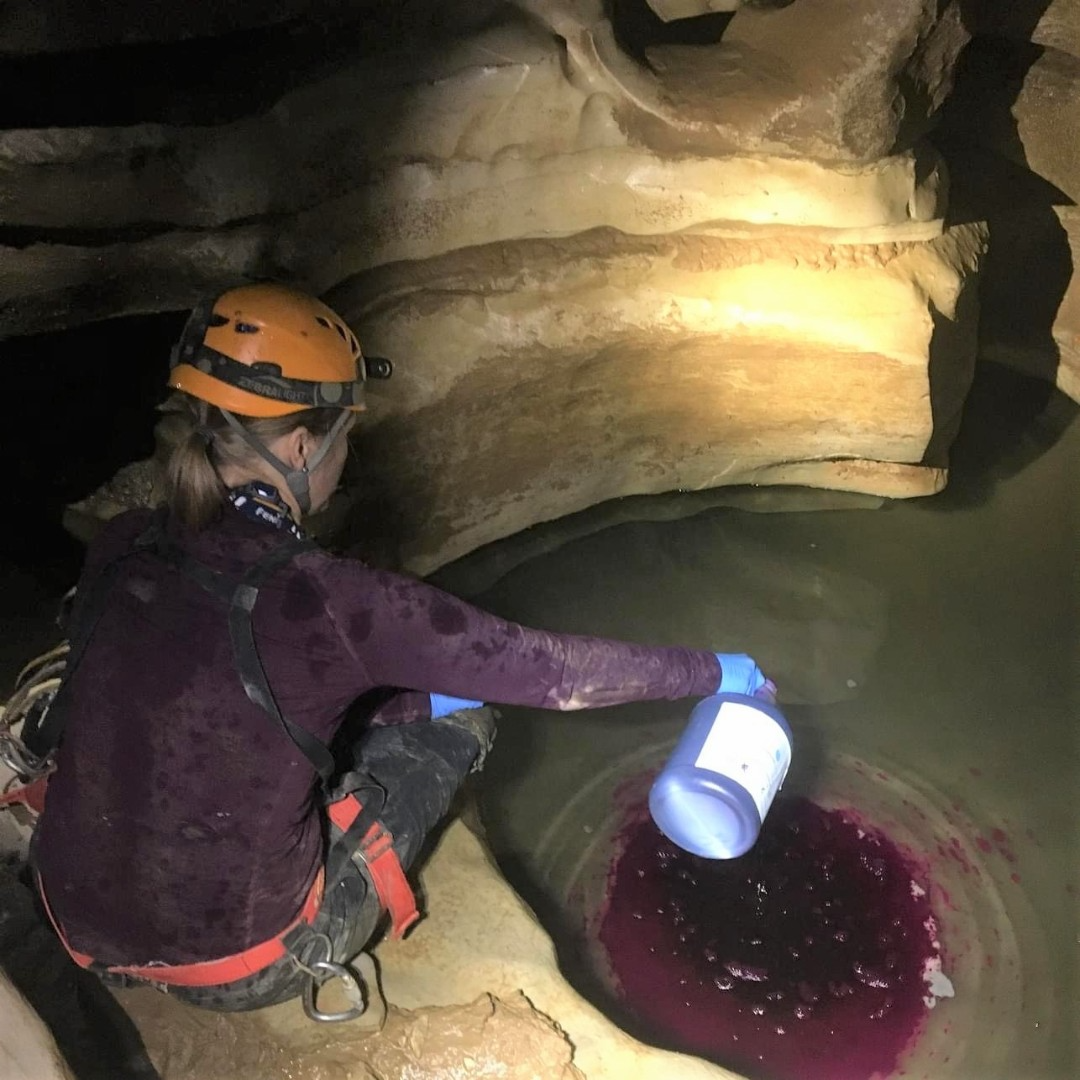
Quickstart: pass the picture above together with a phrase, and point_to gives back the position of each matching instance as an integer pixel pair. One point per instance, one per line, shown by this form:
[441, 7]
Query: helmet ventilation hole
[246, 328]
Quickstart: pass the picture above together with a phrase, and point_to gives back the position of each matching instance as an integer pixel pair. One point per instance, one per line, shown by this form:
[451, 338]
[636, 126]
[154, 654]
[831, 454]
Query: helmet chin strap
[298, 481]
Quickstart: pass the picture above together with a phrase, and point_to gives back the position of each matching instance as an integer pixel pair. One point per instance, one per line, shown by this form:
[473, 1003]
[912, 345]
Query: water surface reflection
[934, 641]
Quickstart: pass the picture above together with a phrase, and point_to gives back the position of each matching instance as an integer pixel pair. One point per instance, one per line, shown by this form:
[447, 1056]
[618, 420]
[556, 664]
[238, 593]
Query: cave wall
[1011, 129]
[611, 249]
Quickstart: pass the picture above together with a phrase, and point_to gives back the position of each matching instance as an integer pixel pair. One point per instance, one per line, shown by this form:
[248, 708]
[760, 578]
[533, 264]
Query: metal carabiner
[15, 755]
[315, 959]
[320, 972]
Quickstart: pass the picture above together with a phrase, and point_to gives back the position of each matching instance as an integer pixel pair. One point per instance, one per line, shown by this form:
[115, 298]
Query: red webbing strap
[377, 850]
[227, 969]
[31, 795]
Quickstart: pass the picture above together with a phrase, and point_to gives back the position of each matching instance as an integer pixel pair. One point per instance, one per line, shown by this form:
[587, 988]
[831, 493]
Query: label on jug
[749, 747]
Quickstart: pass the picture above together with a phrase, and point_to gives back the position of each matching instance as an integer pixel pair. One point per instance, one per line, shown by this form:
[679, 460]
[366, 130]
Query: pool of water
[927, 654]
[814, 956]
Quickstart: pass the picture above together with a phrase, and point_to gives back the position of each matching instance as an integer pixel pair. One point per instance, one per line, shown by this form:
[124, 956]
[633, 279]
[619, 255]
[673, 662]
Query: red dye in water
[801, 960]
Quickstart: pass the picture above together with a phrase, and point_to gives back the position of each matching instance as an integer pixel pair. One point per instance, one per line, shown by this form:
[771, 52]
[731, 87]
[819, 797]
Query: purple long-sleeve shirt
[181, 823]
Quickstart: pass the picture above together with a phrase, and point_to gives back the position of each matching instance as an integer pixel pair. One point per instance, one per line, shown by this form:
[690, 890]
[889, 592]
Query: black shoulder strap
[249, 663]
[42, 734]
[240, 596]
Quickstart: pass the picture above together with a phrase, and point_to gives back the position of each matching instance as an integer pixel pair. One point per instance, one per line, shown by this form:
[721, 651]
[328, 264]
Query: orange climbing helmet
[269, 350]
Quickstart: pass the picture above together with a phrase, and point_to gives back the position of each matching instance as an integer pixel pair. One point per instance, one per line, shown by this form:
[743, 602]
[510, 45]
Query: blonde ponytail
[196, 441]
[193, 489]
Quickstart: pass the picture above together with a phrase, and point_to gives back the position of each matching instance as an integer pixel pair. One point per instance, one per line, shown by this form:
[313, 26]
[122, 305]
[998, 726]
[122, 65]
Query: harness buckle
[376, 858]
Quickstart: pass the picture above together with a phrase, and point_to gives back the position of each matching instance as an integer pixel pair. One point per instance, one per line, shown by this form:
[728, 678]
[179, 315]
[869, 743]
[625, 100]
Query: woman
[195, 835]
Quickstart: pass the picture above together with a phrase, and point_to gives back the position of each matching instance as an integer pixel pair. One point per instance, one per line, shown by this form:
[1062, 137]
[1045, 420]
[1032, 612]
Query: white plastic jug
[713, 793]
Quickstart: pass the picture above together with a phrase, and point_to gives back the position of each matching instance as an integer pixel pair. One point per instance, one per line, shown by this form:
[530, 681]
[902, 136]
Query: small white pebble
[851, 684]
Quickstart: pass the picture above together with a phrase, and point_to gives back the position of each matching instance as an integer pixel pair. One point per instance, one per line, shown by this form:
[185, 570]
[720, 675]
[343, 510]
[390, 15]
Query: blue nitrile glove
[739, 674]
[441, 705]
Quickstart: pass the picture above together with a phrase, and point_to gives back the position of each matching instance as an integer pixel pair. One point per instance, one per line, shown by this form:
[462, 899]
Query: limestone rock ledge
[485, 139]
[494, 108]
[421, 210]
[484, 1037]
[538, 379]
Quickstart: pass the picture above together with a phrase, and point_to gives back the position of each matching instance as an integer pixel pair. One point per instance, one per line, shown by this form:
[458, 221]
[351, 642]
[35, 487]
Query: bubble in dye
[746, 966]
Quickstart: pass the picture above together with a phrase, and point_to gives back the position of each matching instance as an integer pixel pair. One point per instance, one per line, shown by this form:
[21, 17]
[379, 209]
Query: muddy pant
[419, 766]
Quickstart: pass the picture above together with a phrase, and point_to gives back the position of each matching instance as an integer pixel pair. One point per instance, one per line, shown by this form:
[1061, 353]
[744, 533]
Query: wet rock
[505, 1038]
[489, 1036]
[134, 486]
[1003, 130]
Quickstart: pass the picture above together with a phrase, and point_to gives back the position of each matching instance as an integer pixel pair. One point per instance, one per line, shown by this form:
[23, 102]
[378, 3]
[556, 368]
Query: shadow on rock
[93, 1033]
